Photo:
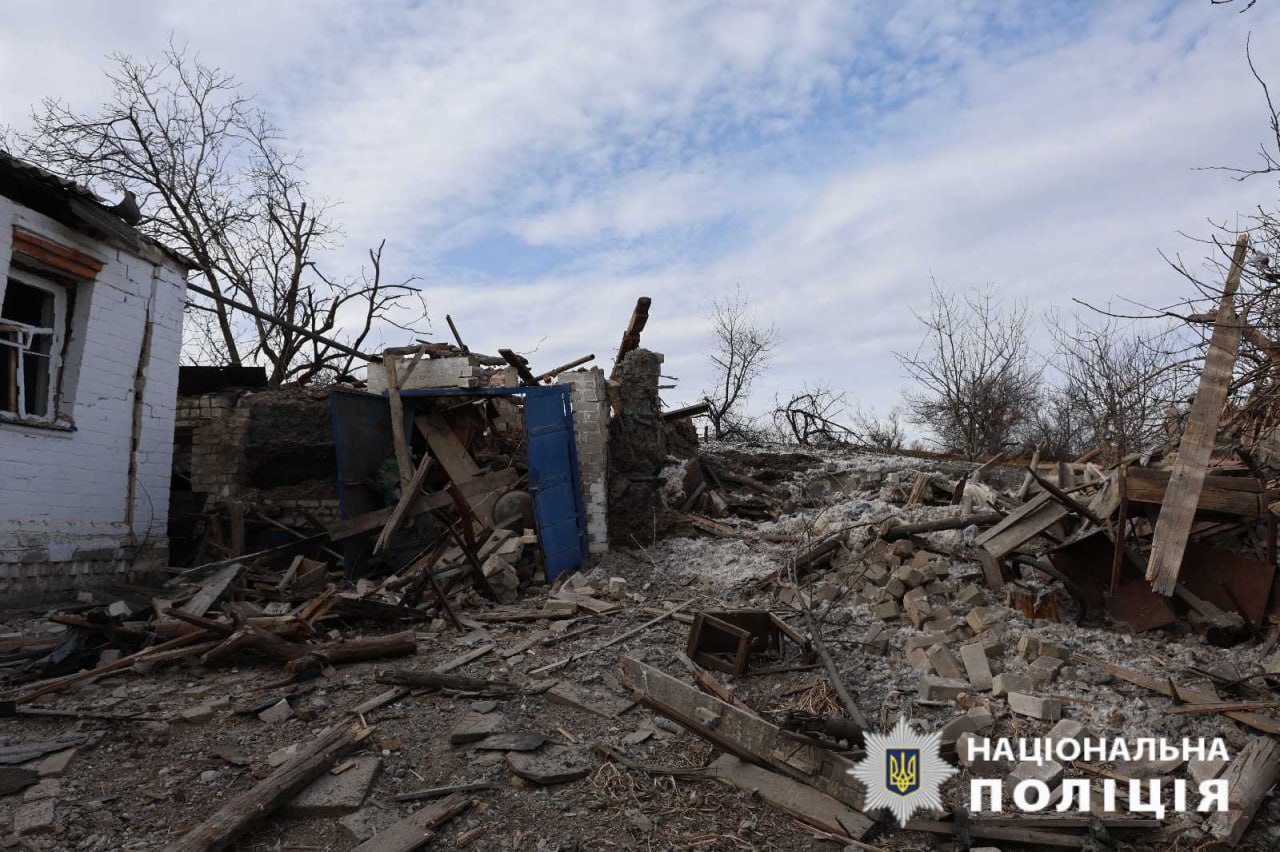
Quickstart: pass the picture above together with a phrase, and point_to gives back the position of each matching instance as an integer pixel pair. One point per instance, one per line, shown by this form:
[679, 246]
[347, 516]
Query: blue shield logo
[902, 770]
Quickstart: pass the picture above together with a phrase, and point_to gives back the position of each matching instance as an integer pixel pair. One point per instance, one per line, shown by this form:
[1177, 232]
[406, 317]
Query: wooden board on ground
[800, 801]
[212, 589]
[742, 734]
[415, 830]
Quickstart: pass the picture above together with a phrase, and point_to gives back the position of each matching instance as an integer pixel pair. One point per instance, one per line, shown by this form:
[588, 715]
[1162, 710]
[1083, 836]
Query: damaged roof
[75, 206]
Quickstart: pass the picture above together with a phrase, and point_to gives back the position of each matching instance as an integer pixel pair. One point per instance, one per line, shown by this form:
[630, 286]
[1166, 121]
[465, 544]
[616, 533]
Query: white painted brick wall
[64, 493]
[589, 398]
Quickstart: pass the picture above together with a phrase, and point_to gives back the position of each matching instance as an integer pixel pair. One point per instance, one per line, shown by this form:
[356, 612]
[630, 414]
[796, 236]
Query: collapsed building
[468, 602]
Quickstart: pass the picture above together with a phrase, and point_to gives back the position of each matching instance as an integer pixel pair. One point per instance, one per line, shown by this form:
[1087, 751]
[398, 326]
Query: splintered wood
[1187, 478]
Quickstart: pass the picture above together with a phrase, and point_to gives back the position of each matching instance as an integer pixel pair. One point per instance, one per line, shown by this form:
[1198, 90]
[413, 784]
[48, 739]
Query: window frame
[58, 336]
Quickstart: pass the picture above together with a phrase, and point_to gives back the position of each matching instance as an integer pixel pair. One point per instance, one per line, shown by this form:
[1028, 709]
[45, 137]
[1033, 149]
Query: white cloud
[827, 157]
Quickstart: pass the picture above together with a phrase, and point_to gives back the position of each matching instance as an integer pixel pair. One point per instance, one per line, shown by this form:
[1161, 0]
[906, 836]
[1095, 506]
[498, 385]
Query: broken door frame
[373, 419]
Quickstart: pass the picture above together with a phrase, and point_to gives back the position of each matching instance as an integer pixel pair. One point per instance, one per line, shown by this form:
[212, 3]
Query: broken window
[33, 318]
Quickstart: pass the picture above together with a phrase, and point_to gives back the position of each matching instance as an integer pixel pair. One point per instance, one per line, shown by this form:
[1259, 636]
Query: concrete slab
[334, 795]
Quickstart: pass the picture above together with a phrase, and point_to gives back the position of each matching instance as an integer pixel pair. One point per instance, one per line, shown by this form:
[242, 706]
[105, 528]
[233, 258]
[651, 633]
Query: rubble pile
[437, 665]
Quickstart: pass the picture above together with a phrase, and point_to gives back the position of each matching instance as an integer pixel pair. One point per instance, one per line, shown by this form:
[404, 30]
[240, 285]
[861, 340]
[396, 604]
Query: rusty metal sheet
[1229, 581]
[1136, 605]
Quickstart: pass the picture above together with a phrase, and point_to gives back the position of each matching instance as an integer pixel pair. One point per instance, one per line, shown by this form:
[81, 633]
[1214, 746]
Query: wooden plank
[742, 734]
[1232, 495]
[403, 460]
[800, 801]
[242, 813]
[621, 637]
[461, 660]
[456, 461]
[212, 589]
[1187, 480]
[1189, 694]
[631, 337]
[1250, 777]
[480, 489]
[1023, 524]
[417, 829]
[407, 498]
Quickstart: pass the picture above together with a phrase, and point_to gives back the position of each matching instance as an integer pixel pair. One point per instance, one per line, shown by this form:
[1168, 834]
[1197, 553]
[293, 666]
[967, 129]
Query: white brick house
[90, 333]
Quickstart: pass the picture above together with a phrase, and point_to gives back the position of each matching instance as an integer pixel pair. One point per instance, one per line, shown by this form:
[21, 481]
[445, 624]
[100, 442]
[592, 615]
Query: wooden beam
[407, 498]
[1178, 511]
[1250, 777]
[746, 736]
[521, 365]
[240, 815]
[1230, 495]
[563, 368]
[631, 337]
[474, 490]
[417, 829]
[403, 460]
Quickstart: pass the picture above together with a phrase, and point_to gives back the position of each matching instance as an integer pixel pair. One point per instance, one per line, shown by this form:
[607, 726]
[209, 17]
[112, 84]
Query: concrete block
[941, 688]
[1044, 670]
[982, 718]
[1028, 646]
[945, 663]
[1005, 683]
[1205, 770]
[886, 611]
[984, 618]
[1069, 729]
[911, 576]
[1050, 772]
[976, 666]
[476, 726]
[1047, 709]
[277, 712]
[925, 641]
[35, 818]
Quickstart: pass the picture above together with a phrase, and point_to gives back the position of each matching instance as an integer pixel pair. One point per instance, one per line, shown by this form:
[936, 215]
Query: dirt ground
[140, 784]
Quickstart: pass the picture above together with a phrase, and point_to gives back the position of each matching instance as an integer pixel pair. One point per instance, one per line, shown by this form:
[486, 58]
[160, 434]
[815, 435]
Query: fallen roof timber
[1177, 513]
[1229, 495]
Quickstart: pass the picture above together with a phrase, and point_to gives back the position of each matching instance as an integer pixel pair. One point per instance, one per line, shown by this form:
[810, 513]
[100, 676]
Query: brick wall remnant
[589, 397]
[637, 454]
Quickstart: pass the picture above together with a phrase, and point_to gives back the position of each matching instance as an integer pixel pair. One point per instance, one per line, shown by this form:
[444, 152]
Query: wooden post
[1187, 479]
[403, 460]
[631, 337]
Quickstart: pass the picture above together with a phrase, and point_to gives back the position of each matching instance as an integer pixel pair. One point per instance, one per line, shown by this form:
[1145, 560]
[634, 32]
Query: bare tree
[814, 416]
[879, 433]
[976, 383]
[1116, 386]
[206, 168]
[742, 352]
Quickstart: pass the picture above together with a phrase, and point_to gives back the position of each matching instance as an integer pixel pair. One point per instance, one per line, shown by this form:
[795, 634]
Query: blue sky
[540, 165]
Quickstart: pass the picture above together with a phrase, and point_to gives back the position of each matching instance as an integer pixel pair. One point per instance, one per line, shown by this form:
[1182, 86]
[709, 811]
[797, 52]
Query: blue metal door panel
[553, 479]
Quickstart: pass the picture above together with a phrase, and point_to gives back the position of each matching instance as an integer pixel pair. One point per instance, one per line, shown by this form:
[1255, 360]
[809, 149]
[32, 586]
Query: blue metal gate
[554, 480]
